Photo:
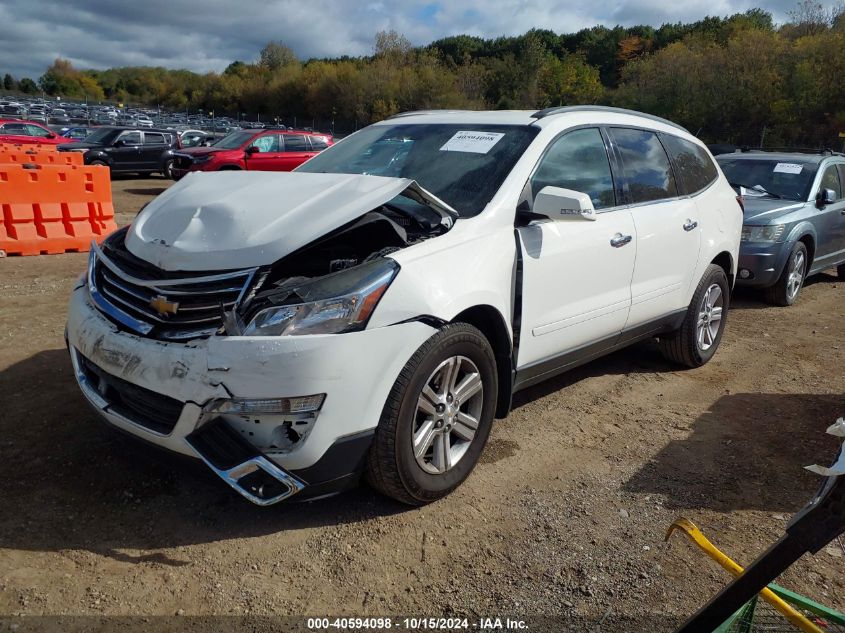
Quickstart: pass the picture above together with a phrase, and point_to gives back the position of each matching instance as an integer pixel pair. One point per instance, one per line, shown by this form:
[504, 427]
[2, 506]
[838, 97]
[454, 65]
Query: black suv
[129, 150]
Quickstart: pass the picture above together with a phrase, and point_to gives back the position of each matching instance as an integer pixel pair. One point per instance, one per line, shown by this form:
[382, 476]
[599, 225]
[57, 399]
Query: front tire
[437, 418]
[167, 171]
[788, 286]
[701, 332]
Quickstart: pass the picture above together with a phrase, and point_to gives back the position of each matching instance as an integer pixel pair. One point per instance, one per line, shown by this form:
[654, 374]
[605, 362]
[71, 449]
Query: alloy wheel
[709, 317]
[796, 275]
[448, 411]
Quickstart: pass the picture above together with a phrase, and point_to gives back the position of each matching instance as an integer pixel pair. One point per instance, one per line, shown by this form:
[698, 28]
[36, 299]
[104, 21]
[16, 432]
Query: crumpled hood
[763, 210]
[240, 219]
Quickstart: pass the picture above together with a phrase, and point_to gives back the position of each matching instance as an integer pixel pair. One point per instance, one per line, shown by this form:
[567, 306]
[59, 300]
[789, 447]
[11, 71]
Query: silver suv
[794, 224]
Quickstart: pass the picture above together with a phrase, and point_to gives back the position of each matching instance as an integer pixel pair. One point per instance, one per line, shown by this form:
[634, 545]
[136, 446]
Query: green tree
[9, 82]
[27, 86]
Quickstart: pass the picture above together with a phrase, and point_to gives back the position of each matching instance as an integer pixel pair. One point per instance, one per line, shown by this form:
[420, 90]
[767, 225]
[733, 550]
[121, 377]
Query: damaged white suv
[373, 311]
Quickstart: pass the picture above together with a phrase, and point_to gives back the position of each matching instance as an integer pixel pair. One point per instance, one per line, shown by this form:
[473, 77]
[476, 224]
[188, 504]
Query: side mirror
[825, 197]
[557, 203]
[119, 143]
[252, 149]
[51, 136]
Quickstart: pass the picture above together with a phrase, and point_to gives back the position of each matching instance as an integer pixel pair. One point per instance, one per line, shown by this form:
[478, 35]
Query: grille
[146, 408]
[154, 303]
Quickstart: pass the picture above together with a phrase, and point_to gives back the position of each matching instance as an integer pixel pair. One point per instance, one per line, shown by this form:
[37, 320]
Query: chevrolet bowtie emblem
[164, 307]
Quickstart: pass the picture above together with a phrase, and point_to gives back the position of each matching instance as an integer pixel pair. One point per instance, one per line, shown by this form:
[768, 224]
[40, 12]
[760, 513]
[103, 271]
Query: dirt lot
[566, 514]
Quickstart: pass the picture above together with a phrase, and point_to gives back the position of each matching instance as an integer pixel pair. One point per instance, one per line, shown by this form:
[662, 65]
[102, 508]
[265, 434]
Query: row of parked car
[371, 312]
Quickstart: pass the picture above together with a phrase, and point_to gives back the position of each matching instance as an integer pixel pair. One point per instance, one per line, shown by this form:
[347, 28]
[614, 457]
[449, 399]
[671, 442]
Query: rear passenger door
[16, 133]
[297, 151]
[153, 149]
[667, 232]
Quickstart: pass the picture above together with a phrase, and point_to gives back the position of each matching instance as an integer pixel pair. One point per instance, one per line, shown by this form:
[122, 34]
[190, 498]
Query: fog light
[744, 273]
[258, 406]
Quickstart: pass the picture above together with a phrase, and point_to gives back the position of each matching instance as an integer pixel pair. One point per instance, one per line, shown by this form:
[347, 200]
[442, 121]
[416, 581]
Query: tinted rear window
[318, 143]
[295, 143]
[694, 168]
[646, 171]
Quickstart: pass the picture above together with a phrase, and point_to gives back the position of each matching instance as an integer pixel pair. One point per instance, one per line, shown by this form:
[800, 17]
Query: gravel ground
[565, 515]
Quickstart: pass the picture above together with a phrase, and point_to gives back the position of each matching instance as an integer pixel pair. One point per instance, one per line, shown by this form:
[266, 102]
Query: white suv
[374, 310]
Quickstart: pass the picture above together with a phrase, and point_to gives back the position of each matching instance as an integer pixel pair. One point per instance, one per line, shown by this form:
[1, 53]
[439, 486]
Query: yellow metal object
[689, 528]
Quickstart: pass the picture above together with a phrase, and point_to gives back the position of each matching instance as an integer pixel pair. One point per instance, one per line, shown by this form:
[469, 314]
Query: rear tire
[424, 446]
[701, 331]
[840, 270]
[788, 286]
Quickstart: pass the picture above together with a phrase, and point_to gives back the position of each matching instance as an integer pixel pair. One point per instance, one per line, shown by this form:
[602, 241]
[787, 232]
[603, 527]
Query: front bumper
[763, 261]
[356, 372]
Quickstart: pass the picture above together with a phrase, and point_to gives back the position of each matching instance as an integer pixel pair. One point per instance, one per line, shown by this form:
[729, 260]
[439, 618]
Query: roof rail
[416, 112]
[792, 150]
[540, 114]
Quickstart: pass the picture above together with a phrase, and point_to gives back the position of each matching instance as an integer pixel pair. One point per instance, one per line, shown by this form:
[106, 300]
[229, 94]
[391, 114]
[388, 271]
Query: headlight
[771, 233]
[340, 302]
[201, 159]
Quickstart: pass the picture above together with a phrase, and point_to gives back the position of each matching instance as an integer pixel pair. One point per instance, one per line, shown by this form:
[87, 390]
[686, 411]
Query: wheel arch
[726, 262]
[230, 167]
[492, 324]
[805, 233]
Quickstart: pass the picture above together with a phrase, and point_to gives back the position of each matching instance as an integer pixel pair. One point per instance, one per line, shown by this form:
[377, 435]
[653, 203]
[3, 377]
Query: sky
[207, 35]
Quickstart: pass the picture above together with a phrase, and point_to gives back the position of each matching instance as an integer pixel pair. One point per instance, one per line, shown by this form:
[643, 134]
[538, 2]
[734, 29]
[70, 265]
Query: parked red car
[259, 150]
[18, 132]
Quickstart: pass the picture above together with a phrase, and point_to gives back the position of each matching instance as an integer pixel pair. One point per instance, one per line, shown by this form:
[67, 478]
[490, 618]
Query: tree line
[739, 79]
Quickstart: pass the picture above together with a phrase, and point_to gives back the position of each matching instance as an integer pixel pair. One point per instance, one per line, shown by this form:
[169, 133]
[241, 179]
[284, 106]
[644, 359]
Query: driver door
[830, 221]
[577, 273]
[268, 154]
[125, 152]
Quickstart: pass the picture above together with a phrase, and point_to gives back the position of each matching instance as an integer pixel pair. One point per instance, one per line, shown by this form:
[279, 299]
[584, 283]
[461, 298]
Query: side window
[153, 138]
[830, 180]
[646, 170]
[34, 130]
[841, 167]
[578, 161]
[267, 143]
[18, 129]
[296, 143]
[318, 143]
[695, 169]
[130, 138]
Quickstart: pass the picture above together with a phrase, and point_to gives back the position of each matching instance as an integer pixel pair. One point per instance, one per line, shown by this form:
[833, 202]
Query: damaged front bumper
[166, 393]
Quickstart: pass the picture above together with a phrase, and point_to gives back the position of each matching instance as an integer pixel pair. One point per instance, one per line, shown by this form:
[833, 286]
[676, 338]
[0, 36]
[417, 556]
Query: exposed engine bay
[397, 224]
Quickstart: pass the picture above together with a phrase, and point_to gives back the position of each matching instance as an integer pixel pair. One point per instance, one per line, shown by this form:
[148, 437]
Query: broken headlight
[340, 302]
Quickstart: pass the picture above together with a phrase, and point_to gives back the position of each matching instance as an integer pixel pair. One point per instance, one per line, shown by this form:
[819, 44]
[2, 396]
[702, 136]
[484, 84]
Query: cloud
[206, 36]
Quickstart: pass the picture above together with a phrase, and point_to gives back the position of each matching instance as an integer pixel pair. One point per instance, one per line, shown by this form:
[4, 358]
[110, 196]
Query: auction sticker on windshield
[788, 168]
[475, 142]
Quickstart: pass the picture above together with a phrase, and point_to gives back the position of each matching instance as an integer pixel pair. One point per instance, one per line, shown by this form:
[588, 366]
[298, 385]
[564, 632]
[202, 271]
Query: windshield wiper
[759, 188]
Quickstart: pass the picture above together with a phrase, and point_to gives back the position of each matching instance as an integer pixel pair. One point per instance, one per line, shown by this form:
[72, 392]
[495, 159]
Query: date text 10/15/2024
[416, 624]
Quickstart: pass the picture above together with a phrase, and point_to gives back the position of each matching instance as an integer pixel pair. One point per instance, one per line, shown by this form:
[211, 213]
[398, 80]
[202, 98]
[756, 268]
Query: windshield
[234, 140]
[463, 164]
[101, 135]
[790, 179]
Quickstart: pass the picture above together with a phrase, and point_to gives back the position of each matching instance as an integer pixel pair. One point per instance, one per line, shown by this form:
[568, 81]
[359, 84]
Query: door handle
[620, 240]
[690, 225]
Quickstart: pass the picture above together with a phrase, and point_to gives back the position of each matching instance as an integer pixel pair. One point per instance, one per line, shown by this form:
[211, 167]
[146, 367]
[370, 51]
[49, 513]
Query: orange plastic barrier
[40, 158]
[23, 147]
[54, 208]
